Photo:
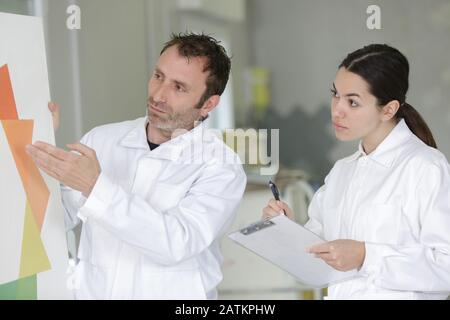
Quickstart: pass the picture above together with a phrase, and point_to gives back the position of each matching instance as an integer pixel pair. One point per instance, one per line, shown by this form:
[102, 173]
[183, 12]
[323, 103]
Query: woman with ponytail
[385, 210]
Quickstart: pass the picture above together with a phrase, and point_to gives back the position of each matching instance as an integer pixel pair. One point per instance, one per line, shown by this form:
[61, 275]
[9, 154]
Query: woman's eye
[353, 103]
[157, 76]
[334, 93]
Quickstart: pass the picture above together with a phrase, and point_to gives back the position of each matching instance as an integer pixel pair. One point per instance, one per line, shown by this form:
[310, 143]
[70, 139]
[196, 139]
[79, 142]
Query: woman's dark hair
[386, 70]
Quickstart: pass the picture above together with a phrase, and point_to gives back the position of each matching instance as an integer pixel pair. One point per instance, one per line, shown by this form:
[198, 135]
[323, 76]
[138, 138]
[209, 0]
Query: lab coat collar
[137, 136]
[387, 151]
[356, 155]
[170, 150]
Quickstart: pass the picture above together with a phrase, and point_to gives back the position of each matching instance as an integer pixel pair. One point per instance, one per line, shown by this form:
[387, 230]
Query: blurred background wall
[99, 74]
[303, 42]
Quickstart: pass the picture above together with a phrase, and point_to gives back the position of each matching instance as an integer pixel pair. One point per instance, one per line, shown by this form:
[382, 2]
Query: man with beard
[154, 194]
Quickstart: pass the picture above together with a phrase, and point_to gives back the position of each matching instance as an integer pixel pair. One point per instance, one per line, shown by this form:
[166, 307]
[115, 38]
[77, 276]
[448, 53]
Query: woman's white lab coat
[153, 221]
[396, 200]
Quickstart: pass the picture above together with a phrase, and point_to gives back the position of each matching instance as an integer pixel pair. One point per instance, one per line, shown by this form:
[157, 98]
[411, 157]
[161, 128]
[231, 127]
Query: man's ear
[210, 104]
[390, 109]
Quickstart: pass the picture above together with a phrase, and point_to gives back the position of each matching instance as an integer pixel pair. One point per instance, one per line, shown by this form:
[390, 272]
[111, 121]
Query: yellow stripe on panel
[34, 258]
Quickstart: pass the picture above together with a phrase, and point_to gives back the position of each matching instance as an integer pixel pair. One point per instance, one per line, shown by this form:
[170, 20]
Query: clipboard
[284, 243]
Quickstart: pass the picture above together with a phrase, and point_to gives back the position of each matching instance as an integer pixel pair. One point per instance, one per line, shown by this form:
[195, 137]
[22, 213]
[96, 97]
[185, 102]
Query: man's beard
[170, 120]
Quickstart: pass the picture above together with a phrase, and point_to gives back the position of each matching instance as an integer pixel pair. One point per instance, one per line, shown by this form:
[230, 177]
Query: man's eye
[179, 88]
[157, 76]
[334, 93]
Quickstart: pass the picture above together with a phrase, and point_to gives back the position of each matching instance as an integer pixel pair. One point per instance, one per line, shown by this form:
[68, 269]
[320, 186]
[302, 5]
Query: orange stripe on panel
[8, 110]
[19, 133]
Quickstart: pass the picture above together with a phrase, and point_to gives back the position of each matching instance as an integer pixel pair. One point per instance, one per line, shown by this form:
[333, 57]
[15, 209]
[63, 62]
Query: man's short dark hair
[218, 63]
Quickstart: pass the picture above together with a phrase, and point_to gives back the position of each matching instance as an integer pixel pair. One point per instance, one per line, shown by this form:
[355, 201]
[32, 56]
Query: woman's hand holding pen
[342, 254]
[275, 208]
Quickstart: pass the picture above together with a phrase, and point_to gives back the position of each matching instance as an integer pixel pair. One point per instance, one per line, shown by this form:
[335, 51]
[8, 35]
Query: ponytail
[416, 124]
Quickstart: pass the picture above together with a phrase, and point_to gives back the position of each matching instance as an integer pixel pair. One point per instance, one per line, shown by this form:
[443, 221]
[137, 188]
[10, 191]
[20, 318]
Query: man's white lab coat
[397, 200]
[153, 221]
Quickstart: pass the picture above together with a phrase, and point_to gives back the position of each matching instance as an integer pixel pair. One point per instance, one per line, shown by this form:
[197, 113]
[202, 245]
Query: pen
[275, 192]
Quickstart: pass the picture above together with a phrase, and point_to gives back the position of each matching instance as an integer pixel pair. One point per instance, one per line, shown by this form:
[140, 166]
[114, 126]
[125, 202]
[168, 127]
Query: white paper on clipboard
[284, 243]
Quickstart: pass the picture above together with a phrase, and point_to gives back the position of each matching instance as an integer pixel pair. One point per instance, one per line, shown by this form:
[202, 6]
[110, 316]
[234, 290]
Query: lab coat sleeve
[177, 234]
[72, 201]
[315, 211]
[426, 265]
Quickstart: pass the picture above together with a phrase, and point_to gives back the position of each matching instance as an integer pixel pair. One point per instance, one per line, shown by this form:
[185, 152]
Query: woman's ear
[390, 109]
